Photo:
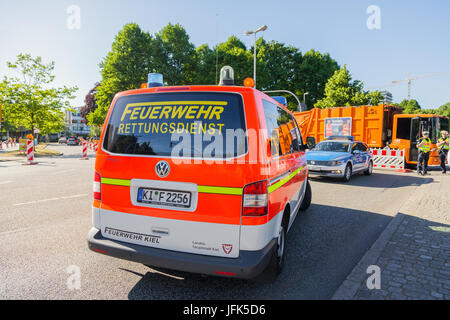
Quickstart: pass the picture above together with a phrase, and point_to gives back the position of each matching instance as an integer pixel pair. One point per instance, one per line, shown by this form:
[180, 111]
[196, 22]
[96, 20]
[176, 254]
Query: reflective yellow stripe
[220, 190]
[212, 189]
[201, 189]
[285, 180]
[116, 182]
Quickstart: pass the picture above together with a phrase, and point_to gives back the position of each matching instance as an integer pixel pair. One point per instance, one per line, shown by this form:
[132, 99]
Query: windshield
[333, 146]
[443, 124]
[185, 124]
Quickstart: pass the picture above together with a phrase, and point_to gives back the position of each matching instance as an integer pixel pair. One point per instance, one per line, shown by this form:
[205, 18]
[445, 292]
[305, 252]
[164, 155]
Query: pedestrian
[424, 147]
[443, 145]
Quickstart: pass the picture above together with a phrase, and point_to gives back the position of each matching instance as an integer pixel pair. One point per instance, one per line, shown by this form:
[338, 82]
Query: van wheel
[306, 202]
[276, 263]
[369, 170]
[347, 173]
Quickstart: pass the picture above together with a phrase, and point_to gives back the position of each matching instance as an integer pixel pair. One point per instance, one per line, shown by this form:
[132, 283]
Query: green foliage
[95, 131]
[173, 55]
[29, 101]
[410, 106]
[276, 65]
[125, 67]
[341, 91]
[313, 74]
[444, 110]
[413, 107]
[205, 67]
[135, 53]
[375, 98]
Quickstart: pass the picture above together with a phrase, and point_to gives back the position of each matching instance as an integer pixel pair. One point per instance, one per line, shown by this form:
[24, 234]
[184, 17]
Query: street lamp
[247, 33]
[304, 97]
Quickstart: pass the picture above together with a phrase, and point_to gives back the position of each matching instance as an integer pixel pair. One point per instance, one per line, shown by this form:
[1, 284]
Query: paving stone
[415, 260]
[437, 295]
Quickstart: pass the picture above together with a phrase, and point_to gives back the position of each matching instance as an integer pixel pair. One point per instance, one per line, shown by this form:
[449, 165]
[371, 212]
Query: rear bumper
[248, 265]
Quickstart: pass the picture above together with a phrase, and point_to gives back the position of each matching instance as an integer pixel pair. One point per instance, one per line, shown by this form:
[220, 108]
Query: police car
[340, 157]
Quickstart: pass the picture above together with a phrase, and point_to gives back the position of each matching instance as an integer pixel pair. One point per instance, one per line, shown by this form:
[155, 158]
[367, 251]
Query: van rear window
[187, 124]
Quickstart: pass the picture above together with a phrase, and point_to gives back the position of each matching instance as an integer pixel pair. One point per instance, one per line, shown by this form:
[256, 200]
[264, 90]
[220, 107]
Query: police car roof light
[155, 80]
[351, 138]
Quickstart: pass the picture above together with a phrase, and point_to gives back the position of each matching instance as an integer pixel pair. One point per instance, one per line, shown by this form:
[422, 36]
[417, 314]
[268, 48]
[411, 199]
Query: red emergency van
[203, 179]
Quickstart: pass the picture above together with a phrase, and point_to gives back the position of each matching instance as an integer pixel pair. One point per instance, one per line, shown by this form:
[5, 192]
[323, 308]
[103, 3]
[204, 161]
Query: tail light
[97, 187]
[256, 199]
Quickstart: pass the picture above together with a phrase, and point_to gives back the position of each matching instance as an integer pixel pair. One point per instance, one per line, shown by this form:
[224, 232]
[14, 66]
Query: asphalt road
[45, 214]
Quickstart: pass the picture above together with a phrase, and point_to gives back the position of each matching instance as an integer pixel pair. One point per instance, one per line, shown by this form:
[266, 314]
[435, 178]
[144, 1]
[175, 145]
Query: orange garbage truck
[378, 126]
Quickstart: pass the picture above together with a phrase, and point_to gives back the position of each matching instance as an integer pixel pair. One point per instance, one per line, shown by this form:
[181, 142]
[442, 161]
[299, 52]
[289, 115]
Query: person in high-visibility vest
[443, 145]
[424, 147]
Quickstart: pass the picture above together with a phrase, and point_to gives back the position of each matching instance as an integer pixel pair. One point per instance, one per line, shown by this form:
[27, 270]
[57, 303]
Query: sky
[411, 36]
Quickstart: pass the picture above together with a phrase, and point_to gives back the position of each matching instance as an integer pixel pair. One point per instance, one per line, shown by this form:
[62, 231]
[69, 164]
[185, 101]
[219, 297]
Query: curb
[355, 279]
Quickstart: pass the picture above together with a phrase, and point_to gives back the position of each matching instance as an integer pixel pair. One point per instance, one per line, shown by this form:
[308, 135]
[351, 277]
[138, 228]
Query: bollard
[30, 153]
[84, 151]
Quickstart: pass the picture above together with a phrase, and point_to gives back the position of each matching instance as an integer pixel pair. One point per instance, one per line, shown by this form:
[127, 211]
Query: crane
[410, 79]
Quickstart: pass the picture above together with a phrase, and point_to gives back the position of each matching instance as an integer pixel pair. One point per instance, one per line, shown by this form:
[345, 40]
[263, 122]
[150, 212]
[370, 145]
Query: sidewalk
[413, 252]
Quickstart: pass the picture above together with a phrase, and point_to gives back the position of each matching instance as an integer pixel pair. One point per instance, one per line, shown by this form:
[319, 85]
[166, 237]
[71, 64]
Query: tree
[29, 101]
[205, 66]
[313, 73]
[173, 55]
[125, 67]
[341, 91]
[277, 64]
[410, 106]
[90, 102]
[375, 98]
[231, 52]
[234, 53]
[135, 53]
[444, 110]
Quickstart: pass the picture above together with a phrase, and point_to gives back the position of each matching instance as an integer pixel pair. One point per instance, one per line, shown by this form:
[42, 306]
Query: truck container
[378, 126]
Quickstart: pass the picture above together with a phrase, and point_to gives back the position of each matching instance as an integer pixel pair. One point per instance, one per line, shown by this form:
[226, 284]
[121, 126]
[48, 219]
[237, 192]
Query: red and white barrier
[30, 153]
[85, 144]
[389, 159]
[95, 146]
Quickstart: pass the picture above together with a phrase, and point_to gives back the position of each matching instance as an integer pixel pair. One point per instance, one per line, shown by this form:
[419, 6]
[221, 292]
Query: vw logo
[162, 169]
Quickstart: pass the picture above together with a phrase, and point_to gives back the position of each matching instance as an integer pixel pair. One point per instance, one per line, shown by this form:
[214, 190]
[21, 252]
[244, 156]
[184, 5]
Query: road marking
[15, 231]
[50, 199]
[24, 203]
[74, 196]
[46, 200]
[63, 171]
[5, 182]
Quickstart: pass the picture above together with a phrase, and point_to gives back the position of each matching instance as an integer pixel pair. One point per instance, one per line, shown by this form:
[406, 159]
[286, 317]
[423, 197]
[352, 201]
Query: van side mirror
[269, 147]
[356, 151]
[310, 143]
[295, 146]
